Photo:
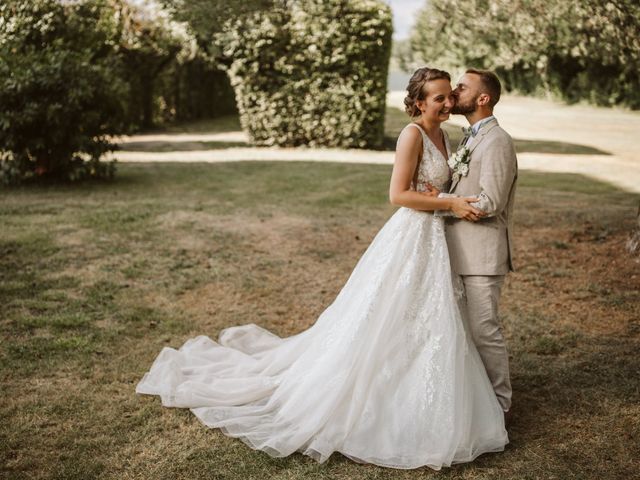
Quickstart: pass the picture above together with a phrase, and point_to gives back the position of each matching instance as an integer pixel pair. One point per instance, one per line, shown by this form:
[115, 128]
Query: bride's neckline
[444, 141]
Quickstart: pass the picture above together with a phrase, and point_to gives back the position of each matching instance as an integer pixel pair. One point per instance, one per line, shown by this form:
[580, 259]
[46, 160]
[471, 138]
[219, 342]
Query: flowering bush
[311, 72]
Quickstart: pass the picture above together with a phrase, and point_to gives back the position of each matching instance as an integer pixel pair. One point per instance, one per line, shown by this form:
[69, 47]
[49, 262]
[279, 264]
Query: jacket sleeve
[498, 171]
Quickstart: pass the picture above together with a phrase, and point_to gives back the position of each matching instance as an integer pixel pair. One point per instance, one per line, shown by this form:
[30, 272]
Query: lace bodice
[433, 167]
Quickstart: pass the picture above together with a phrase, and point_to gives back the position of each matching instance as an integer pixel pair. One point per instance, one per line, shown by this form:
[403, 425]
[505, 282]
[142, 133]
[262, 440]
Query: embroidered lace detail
[433, 168]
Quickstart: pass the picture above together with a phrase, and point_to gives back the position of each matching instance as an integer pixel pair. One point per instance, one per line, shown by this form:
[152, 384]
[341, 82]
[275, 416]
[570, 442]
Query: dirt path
[616, 132]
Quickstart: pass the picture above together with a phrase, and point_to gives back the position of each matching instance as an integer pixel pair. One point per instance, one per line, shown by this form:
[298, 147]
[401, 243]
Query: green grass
[227, 123]
[96, 278]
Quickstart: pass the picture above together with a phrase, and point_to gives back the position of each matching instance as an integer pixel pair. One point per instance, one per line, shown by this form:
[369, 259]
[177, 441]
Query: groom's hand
[462, 208]
[476, 216]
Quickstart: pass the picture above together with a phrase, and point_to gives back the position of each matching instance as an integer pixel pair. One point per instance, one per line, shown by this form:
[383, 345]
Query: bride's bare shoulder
[410, 134]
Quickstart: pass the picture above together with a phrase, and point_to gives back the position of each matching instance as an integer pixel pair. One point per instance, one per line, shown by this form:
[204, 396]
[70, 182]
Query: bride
[387, 374]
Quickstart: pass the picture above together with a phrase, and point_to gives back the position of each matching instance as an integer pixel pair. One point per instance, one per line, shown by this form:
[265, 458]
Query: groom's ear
[484, 99]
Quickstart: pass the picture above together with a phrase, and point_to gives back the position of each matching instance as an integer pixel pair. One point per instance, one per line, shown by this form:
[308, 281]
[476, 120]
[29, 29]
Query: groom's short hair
[491, 83]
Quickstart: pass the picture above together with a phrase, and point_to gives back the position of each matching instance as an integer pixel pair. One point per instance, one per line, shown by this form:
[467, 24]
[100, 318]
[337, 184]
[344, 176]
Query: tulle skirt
[387, 374]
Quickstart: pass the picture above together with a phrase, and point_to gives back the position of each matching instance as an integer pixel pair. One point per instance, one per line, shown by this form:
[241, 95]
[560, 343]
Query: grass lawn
[96, 279]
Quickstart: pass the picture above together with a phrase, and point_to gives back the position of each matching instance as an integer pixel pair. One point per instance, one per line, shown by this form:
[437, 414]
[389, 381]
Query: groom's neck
[479, 114]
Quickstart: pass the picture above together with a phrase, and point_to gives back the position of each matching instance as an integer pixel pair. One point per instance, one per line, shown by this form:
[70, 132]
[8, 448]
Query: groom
[481, 252]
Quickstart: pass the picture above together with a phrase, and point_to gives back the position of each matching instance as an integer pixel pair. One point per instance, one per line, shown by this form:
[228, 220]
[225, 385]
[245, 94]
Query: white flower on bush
[459, 163]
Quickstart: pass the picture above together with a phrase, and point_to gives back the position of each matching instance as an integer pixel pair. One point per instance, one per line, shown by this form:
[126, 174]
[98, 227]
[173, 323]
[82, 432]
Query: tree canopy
[577, 49]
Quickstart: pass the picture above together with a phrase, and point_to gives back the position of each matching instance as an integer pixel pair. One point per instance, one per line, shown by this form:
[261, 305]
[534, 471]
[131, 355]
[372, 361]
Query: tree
[151, 41]
[207, 18]
[576, 49]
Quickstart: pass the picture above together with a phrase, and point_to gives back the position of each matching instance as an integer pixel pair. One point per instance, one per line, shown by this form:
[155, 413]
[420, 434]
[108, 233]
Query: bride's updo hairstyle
[417, 88]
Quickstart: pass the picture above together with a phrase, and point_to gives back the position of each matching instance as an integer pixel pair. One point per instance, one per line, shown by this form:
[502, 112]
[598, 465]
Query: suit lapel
[461, 143]
[477, 140]
[454, 183]
[481, 134]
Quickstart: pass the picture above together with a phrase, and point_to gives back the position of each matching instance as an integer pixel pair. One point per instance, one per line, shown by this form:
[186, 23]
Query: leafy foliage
[153, 47]
[60, 99]
[74, 74]
[207, 18]
[577, 49]
[311, 72]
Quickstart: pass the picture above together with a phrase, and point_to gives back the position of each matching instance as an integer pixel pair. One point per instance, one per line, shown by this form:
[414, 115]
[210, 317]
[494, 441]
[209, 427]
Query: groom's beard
[465, 108]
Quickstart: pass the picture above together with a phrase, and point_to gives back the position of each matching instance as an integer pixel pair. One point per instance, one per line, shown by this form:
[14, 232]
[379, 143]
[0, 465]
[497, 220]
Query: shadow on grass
[582, 395]
[575, 376]
[227, 123]
[562, 148]
[178, 146]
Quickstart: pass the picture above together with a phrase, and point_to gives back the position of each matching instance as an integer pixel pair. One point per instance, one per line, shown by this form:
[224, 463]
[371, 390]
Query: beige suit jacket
[485, 247]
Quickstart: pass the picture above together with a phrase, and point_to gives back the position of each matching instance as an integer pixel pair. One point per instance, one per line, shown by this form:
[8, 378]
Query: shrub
[59, 89]
[311, 72]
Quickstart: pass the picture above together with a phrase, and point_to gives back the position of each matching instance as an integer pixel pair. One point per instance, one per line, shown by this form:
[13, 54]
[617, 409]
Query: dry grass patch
[107, 275]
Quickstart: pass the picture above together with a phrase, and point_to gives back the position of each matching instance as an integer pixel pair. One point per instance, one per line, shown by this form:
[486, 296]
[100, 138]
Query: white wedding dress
[387, 375]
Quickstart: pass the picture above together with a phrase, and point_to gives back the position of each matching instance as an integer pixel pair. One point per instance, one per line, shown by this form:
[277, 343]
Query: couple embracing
[408, 366]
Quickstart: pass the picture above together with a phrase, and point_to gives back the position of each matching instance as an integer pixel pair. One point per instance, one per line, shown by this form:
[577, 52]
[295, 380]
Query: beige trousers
[482, 296]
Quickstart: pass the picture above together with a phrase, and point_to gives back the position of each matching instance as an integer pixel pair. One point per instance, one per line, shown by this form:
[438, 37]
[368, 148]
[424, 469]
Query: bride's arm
[404, 167]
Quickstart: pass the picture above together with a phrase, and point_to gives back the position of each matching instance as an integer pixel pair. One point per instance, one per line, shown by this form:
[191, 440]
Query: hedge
[311, 72]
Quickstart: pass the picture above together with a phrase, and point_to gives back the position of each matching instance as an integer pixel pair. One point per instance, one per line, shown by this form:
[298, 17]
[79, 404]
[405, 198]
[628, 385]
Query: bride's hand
[461, 208]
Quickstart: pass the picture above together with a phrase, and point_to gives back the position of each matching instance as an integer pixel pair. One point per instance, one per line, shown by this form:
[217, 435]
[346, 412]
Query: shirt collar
[476, 126]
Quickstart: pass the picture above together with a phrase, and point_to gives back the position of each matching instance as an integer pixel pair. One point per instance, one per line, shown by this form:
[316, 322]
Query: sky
[404, 13]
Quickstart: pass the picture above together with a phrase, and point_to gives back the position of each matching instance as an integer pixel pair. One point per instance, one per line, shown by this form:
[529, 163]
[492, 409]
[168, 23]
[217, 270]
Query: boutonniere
[459, 162]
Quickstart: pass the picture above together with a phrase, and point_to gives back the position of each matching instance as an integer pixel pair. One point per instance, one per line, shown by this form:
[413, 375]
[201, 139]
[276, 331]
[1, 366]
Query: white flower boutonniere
[459, 162]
